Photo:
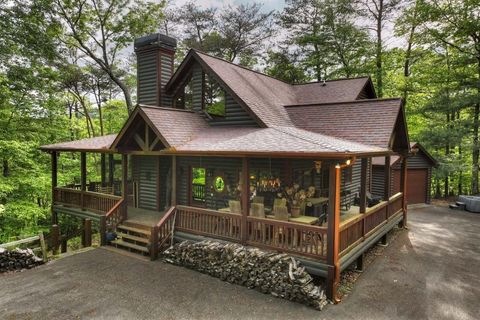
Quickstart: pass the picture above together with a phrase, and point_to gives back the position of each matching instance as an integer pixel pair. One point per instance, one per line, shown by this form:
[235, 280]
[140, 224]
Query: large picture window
[214, 98]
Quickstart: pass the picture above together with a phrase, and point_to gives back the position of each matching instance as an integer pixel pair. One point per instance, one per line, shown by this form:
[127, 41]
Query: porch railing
[116, 215]
[296, 238]
[198, 192]
[162, 232]
[86, 200]
[357, 230]
[272, 234]
[208, 222]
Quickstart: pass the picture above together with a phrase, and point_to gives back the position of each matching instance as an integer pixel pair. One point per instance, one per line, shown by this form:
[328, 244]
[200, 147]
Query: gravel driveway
[430, 272]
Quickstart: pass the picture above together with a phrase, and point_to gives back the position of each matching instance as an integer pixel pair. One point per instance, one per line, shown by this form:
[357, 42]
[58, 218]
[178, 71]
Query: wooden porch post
[124, 176]
[403, 189]
[103, 169]
[54, 184]
[111, 169]
[363, 186]
[333, 232]
[174, 181]
[386, 186]
[245, 196]
[83, 176]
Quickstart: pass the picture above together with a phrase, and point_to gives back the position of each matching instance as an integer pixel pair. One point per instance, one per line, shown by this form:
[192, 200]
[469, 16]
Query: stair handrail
[114, 209]
[160, 241]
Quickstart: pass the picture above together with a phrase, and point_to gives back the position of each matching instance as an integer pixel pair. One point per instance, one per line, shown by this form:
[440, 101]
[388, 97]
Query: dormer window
[184, 97]
[213, 97]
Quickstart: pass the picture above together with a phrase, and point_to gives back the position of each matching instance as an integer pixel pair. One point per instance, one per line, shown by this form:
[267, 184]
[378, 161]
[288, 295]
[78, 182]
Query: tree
[243, 30]
[101, 29]
[456, 24]
[199, 24]
[285, 66]
[326, 33]
[379, 11]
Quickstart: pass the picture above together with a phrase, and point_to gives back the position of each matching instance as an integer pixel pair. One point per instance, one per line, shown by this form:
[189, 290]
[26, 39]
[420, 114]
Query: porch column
[54, 183]
[245, 196]
[333, 232]
[403, 189]
[103, 169]
[83, 176]
[111, 169]
[386, 185]
[363, 186]
[174, 181]
[124, 176]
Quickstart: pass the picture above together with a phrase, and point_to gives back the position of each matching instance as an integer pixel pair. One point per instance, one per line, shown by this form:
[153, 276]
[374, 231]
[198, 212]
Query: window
[184, 98]
[213, 98]
[198, 185]
[219, 184]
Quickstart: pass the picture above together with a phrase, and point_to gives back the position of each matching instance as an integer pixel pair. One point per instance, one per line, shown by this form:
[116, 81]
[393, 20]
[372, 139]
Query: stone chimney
[155, 56]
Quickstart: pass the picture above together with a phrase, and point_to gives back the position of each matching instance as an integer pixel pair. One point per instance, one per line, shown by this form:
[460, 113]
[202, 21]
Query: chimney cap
[155, 39]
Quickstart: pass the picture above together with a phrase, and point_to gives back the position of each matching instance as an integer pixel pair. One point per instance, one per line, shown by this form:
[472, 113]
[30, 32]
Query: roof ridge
[240, 66]
[343, 102]
[331, 80]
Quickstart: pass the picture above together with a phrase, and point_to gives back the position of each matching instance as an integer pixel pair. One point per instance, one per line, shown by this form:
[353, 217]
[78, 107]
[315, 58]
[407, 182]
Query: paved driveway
[430, 272]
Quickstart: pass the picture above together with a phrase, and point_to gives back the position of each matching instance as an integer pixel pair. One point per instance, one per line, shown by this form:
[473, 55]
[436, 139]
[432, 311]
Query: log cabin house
[215, 150]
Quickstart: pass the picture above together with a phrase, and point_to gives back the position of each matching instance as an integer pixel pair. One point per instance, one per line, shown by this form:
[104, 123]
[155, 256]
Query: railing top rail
[103, 195]
[208, 211]
[166, 216]
[66, 189]
[396, 196]
[115, 207]
[289, 224]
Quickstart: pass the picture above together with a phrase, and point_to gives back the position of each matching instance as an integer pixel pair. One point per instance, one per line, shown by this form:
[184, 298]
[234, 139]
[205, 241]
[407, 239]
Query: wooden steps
[133, 238]
[126, 244]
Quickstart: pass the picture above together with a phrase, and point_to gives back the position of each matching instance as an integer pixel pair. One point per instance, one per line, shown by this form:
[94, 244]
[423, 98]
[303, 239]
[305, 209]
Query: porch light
[348, 162]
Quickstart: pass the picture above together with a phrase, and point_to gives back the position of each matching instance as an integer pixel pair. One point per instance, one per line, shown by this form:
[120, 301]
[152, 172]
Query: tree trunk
[6, 168]
[378, 57]
[475, 152]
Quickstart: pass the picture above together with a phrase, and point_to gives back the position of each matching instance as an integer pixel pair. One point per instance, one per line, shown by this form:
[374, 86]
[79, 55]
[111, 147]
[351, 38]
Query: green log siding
[147, 77]
[166, 67]
[145, 173]
[149, 63]
[229, 168]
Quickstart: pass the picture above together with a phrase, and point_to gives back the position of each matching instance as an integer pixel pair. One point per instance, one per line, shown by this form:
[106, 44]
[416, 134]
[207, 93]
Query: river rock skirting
[278, 274]
[18, 259]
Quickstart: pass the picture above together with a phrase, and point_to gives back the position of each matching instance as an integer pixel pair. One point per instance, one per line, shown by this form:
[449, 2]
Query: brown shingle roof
[333, 91]
[97, 144]
[369, 122]
[271, 140]
[265, 96]
[176, 126]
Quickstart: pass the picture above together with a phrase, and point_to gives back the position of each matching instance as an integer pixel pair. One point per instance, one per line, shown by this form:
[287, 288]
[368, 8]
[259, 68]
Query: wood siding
[147, 77]
[145, 174]
[228, 168]
[154, 69]
[418, 161]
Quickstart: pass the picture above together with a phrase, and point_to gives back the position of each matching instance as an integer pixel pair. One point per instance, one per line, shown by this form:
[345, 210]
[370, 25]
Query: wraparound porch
[343, 238]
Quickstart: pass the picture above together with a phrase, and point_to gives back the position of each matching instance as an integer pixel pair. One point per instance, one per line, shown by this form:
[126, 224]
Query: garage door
[417, 186]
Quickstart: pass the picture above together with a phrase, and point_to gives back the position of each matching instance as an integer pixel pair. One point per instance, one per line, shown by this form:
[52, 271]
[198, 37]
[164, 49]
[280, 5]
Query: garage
[419, 175]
